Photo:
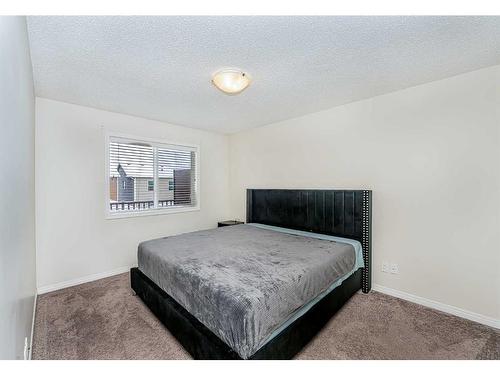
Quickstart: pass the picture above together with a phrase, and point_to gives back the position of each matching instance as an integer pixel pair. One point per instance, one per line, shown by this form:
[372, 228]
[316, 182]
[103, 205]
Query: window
[149, 177]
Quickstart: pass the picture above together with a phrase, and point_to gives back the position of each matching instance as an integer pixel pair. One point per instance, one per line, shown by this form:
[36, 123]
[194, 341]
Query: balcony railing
[139, 205]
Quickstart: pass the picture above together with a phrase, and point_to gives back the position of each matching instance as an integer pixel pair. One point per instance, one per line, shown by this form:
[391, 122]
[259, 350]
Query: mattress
[247, 282]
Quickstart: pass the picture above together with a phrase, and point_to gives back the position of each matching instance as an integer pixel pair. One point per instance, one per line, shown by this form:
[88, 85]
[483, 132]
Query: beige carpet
[104, 320]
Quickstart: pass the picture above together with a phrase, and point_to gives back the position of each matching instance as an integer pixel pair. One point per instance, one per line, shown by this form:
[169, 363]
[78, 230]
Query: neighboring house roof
[130, 170]
[140, 172]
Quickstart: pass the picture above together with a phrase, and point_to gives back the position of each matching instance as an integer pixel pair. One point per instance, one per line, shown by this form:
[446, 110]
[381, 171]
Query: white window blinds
[150, 176]
[177, 166]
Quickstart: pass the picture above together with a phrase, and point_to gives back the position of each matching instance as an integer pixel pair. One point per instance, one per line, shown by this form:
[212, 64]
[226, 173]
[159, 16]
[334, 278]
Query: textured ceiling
[160, 67]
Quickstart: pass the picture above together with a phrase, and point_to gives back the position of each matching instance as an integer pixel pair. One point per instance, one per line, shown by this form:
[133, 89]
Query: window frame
[155, 143]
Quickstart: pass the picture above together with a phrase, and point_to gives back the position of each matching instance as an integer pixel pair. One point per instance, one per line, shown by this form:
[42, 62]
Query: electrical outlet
[394, 268]
[385, 267]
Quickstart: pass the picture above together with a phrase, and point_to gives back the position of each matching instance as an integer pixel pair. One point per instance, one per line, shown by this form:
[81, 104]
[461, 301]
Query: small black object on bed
[341, 213]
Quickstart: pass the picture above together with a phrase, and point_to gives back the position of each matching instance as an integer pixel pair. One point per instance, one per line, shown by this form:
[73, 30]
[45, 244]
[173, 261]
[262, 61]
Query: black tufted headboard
[343, 213]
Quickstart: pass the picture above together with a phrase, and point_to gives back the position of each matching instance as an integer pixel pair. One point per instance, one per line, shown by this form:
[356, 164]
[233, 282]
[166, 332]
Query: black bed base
[343, 213]
[201, 343]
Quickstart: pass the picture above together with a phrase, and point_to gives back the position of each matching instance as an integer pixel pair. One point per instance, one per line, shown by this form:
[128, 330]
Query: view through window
[144, 176]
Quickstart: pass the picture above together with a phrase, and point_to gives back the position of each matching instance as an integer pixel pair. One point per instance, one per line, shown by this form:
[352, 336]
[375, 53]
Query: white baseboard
[486, 320]
[82, 280]
[32, 327]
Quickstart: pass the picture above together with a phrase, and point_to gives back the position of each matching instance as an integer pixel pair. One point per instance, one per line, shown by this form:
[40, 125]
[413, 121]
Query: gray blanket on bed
[243, 282]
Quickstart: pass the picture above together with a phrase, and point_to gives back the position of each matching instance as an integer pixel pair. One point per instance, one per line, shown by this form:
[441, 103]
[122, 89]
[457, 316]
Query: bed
[260, 290]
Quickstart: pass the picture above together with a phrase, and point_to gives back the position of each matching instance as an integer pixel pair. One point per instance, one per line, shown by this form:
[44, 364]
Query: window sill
[151, 212]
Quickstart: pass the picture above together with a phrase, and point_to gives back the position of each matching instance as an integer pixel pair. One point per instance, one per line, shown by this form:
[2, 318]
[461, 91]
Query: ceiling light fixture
[231, 81]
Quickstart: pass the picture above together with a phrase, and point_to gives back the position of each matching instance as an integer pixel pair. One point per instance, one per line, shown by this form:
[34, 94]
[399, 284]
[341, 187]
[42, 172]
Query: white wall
[74, 239]
[431, 155]
[17, 188]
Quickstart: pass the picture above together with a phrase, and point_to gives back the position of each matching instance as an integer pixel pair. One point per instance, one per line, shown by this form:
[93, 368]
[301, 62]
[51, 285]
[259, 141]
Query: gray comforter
[243, 282]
